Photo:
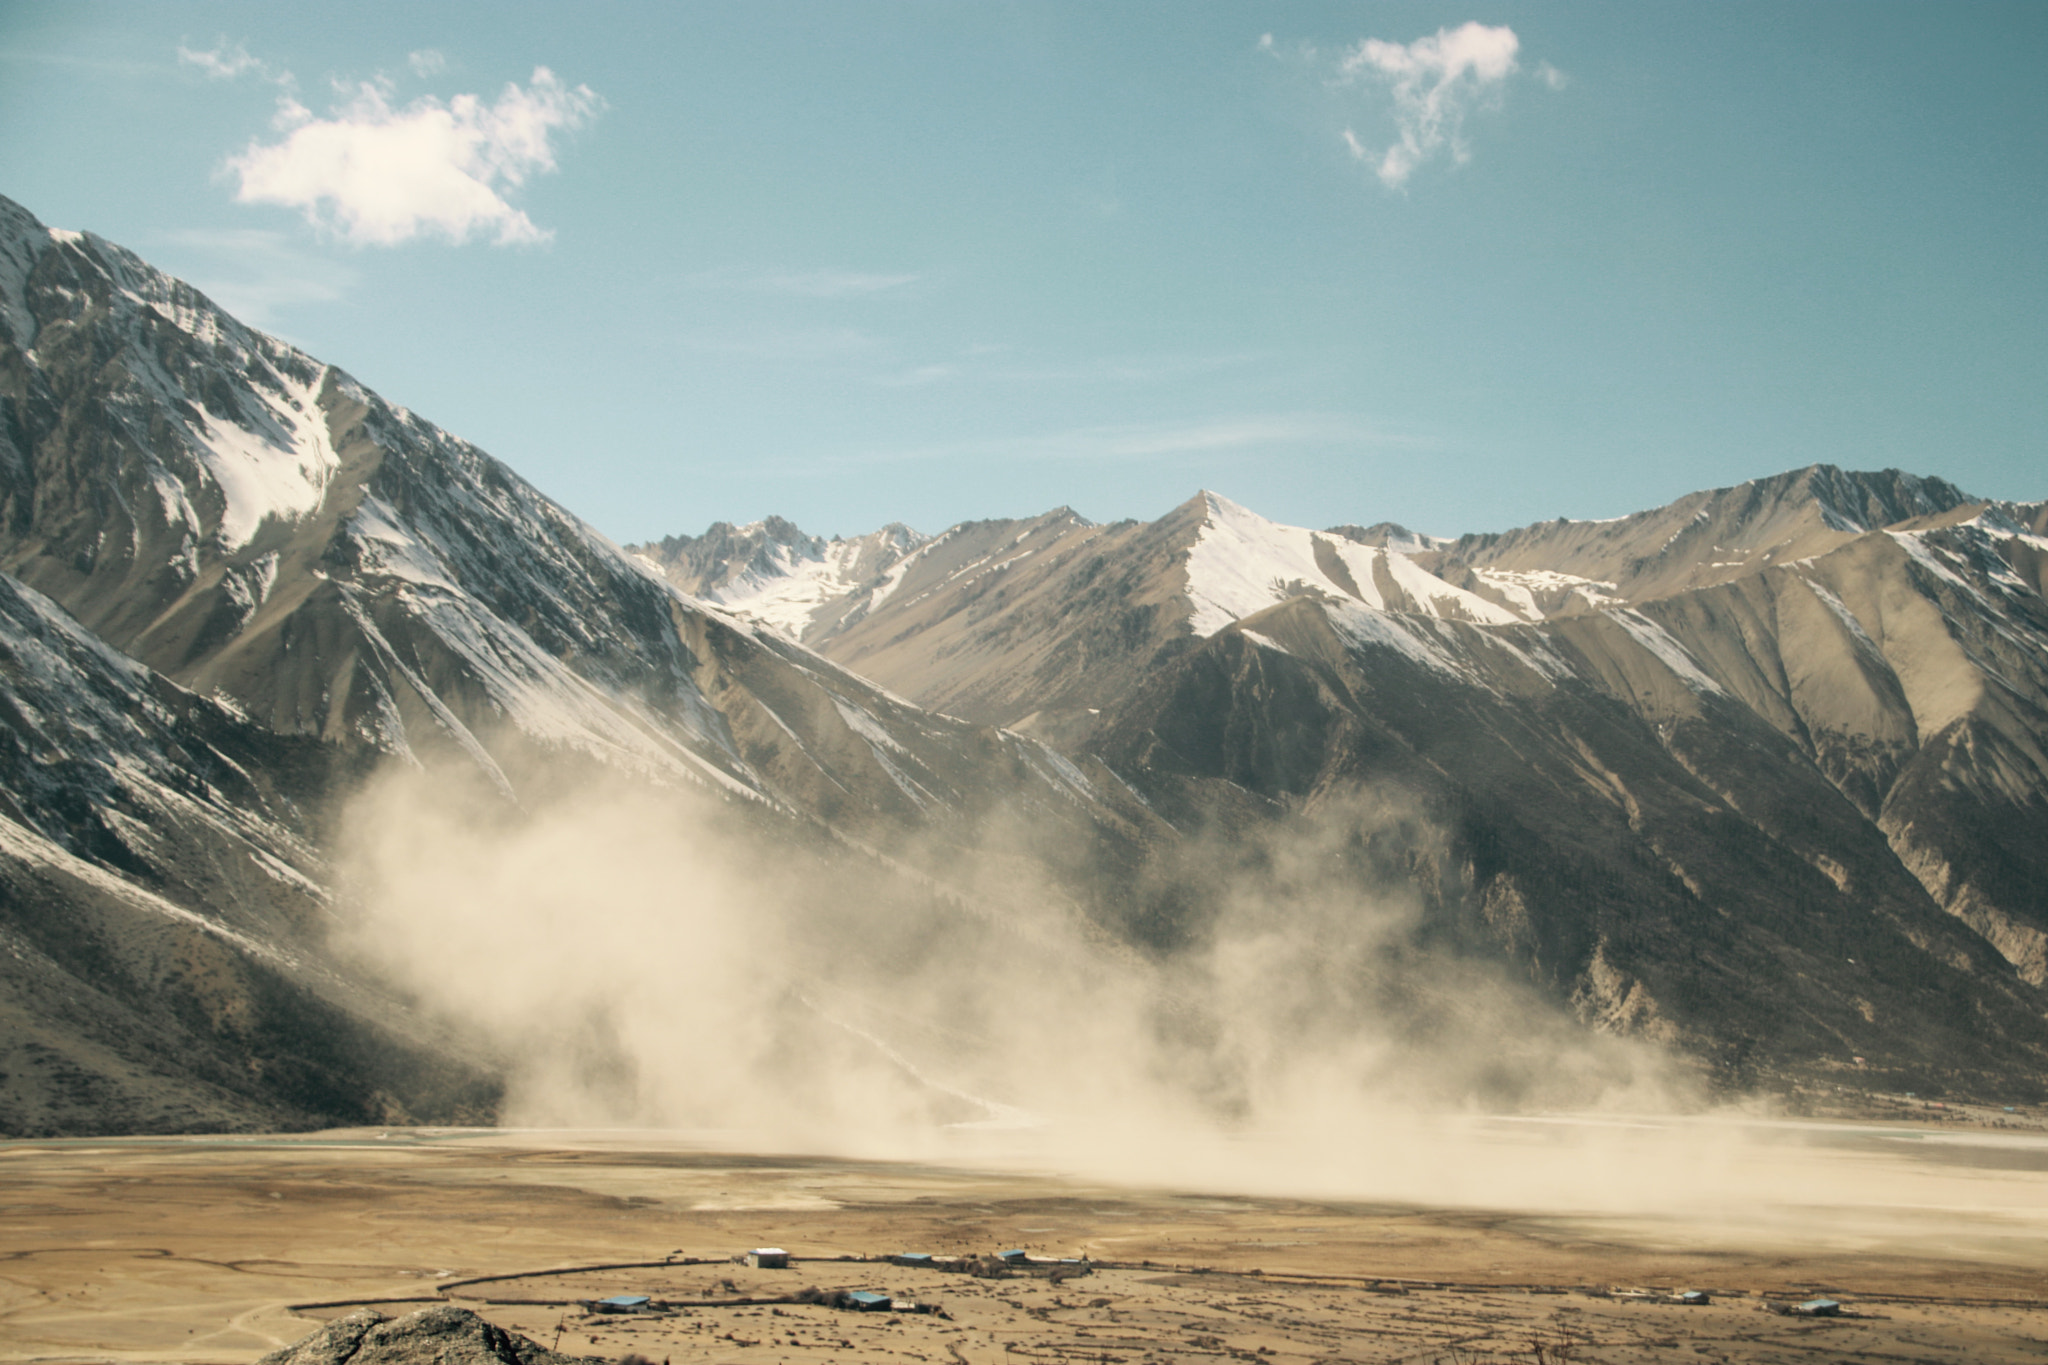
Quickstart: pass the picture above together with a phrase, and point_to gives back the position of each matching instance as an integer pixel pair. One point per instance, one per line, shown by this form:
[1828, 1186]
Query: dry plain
[218, 1249]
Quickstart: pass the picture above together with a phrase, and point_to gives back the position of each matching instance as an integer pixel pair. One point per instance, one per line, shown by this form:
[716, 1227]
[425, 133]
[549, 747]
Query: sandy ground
[217, 1250]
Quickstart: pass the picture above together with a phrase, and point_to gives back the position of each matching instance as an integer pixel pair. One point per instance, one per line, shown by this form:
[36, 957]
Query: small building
[768, 1258]
[1693, 1296]
[867, 1301]
[622, 1303]
[1016, 1257]
[1819, 1308]
[916, 1258]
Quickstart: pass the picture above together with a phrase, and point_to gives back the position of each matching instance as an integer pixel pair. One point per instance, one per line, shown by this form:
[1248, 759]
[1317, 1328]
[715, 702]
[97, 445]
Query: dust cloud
[655, 961]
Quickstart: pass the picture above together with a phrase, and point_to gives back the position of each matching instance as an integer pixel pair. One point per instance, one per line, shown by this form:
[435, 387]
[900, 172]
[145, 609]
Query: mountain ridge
[1868, 618]
[1761, 775]
[234, 524]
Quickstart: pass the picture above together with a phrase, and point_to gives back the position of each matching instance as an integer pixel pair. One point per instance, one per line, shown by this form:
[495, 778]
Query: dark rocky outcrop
[441, 1335]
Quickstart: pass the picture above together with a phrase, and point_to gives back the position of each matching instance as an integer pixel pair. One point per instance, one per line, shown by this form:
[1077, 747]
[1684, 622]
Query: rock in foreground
[441, 1335]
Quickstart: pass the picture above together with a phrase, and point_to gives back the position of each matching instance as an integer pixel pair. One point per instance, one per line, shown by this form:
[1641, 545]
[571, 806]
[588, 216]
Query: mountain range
[1760, 776]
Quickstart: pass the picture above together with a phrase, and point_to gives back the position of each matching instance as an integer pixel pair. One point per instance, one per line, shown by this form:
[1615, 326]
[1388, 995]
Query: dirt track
[197, 1251]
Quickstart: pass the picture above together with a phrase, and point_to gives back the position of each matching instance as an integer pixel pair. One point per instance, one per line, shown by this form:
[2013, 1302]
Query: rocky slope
[806, 586]
[162, 909]
[1763, 774]
[1690, 762]
[251, 522]
[440, 1335]
[234, 554]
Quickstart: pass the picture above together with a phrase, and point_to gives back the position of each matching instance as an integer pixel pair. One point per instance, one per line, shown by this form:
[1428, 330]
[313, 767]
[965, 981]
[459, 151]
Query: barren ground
[212, 1249]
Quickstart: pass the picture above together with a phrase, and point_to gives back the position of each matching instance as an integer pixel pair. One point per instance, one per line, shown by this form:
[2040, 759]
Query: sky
[1462, 266]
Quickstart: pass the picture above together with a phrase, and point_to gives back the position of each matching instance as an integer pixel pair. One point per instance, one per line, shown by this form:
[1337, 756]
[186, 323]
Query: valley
[220, 1250]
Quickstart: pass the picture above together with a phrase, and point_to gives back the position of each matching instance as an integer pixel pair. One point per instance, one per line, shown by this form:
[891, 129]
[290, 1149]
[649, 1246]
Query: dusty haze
[647, 959]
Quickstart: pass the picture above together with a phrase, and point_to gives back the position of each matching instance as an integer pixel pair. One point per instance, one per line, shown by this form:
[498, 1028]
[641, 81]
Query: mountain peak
[1869, 501]
[1388, 535]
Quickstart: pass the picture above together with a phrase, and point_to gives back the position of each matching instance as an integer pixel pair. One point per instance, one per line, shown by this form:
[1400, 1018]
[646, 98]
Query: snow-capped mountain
[1763, 773]
[1802, 812]
[1002, 618]
[1801, 714]
[205, 532]
[805, 586]
[249, 521]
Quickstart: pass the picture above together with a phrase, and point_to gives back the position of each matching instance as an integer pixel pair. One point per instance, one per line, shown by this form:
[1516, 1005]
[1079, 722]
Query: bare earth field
[1935, 1238]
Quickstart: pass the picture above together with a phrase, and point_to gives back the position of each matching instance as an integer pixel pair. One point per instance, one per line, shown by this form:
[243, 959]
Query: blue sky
[855, 263]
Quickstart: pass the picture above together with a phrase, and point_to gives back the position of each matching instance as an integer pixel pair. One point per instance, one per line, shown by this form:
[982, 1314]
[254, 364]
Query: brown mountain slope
[1817, 702]
[245, 519]
[1646, 848]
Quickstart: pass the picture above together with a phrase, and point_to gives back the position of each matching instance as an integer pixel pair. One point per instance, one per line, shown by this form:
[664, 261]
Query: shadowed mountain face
[1762, 774]
[1765, 771]
[250, 522]
[235, 583]
[162, 908]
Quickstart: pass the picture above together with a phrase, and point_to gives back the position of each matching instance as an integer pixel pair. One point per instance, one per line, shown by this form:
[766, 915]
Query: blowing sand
[217, 1249]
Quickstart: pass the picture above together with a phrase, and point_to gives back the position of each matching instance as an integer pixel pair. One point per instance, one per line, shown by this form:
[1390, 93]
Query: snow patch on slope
[35, 850]
[1848, 618]
[786, 585]
[1669, 652]
[552, 703]
[865, 725]
[1240, 564]
[1362, 627]
[388, 548]
[269, 457]
[788, 591]
[1521, 586]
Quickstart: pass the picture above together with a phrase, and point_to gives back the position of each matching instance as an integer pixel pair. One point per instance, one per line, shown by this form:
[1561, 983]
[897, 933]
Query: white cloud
[426, 62]
[224, 62]
[1435, 81]
[379, 175]
[1551, 76]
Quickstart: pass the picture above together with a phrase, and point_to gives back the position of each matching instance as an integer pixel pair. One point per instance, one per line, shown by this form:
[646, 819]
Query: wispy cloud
[256, 273]
[789, 344]
[377, 174]
[1145, 441]
[994, 365]
[1433, 84]
[71, 61]
[808, 284]
[921, 376]
[226, 61]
